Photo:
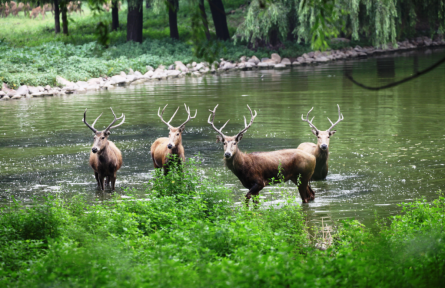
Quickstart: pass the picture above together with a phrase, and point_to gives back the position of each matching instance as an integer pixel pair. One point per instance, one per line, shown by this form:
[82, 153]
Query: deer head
[323, 136]
[175, 134]
[230, 143]
[101, 137]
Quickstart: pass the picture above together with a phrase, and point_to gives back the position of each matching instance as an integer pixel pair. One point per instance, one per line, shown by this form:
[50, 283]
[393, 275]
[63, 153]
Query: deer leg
[107, 181]
[97, 179]
[102, 184]
[113, 182]
[306, 193]
[255, 190]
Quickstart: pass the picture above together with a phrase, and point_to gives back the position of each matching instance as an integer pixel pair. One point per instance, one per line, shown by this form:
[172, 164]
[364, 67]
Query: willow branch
[418, 74]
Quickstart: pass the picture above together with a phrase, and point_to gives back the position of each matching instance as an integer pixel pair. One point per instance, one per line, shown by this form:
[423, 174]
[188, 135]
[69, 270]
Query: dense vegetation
[187, 233]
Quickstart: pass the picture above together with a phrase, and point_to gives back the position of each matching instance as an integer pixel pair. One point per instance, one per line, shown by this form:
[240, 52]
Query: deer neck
[322, 154]
[235, 163]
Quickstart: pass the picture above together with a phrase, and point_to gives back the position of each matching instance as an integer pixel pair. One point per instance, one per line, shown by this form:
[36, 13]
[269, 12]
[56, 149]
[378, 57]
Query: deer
[321, 149]
[259, 169]
[105, 157]
[163, 148]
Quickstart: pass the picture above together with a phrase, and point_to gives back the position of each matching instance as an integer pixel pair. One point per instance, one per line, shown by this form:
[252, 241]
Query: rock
[38, 94]
[321, 59]
[196, 74]
[11, 93]
[254, 59]
[149, 68]
[117, 79]
[264, 60]
[160, 68]
[23, 90]
[109, 86]
[242, 59]
[194, 64]
[130, 78]
[62, 81]
[171, 67]
[305, 56]
[311, 54]
[94, 81]
[180, 66]
[275, 57]
[263, 65]
[199, 66]
[286, 61]
[2, 94]
[122, 74]
[149, 74]
[301, 59]
[80, 90]
[362, 55]
[81, 84]
[16, 96]
[138, 75]
[139, 81]
[189, 66]
[93, 87]
[249, 65]
[130, 71]
[6, 97]
[296, 63]
[41, 89]
[279, 66]
[228, 66]
[173, 73]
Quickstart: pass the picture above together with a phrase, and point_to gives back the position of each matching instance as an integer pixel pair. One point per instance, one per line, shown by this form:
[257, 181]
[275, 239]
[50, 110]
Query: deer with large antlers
[105, 157]
[256, 170]
[321, 149]
[162, 149]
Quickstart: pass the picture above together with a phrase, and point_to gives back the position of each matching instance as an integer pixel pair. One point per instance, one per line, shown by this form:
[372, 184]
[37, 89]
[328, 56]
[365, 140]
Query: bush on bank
[195, 237]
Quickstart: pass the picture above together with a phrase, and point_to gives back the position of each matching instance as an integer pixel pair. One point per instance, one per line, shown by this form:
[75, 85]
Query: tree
[173, 6]
[204, 19]
[115, 15]
[64, 9]
[134, 21]
[219, 19]
[56, 16]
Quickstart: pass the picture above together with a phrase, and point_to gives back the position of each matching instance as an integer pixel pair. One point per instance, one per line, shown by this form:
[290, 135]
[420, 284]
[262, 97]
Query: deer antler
[213, 119]
[189, 117]
[307, 119]
[88, 125]
[340, 118]
[114, 121]
[162, 113]
[252, 117]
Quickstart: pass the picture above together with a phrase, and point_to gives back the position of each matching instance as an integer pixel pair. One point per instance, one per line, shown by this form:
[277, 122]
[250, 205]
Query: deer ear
[181, 129]
[107, 133]
[332, 132]
[315, 132]
[239, 137]
[219, 139]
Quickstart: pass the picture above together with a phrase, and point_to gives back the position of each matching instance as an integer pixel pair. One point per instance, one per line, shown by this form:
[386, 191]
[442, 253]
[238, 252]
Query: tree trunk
[114, 15]
[56, 16]
[134, 21]
[219, 19]
[147, 4]
[64, 18]
[204, 19]
[173, 18]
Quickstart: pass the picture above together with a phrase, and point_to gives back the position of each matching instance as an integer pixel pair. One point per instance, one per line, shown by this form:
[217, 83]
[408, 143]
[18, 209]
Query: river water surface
[389, 148]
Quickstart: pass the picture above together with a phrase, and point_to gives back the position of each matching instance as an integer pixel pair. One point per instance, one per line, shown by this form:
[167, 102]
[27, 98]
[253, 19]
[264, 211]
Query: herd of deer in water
[255, 170]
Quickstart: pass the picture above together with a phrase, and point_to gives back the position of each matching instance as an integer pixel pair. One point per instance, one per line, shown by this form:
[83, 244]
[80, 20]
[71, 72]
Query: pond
[388, 149]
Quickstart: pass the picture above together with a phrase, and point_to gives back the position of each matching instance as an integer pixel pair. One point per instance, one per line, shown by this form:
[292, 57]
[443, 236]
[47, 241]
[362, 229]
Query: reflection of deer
[256, 170]
[321, 149]
[163, 147]
[105, 157]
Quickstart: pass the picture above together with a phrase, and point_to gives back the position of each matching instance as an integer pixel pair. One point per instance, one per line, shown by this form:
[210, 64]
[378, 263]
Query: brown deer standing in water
[321, 149]
[163, 147]
[105, 157]
[256, 170]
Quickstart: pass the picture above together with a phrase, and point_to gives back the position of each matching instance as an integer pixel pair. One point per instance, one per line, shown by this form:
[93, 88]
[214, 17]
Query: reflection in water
[388, 149]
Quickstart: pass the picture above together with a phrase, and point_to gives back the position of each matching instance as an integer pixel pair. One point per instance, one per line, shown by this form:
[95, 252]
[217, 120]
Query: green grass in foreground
[190, 235]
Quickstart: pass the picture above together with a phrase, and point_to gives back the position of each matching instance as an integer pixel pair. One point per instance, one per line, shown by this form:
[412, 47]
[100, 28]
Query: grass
[189, 234]
[33, 55]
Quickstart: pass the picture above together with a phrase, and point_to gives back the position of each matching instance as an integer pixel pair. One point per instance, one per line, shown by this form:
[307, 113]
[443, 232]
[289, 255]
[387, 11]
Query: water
[388, 149]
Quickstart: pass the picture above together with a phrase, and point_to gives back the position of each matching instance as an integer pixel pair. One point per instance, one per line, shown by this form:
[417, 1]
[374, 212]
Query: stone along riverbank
[179, 69]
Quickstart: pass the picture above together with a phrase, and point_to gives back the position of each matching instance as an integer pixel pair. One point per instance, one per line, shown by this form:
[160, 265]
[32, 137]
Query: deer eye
[103, 138]
[177, 134]
[234, 143]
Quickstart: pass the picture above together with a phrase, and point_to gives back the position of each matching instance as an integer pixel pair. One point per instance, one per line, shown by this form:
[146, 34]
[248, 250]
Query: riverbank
[190, 235]
[112, 69]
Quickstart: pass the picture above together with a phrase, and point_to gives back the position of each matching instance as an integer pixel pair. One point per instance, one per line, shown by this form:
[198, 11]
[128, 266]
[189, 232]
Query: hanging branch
[418, 74]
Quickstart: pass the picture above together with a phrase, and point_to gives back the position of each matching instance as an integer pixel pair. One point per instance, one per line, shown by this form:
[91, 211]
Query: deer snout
[94, 149]
[170, 146]
[227, 154]
[324, 146]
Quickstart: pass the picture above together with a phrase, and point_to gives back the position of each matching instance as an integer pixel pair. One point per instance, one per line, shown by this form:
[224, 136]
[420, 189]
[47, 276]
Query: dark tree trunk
[56, 16]
[114, 15]
[219, 19]
[64, 18]
[173, 18]
[204, 19]
[134, 21]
